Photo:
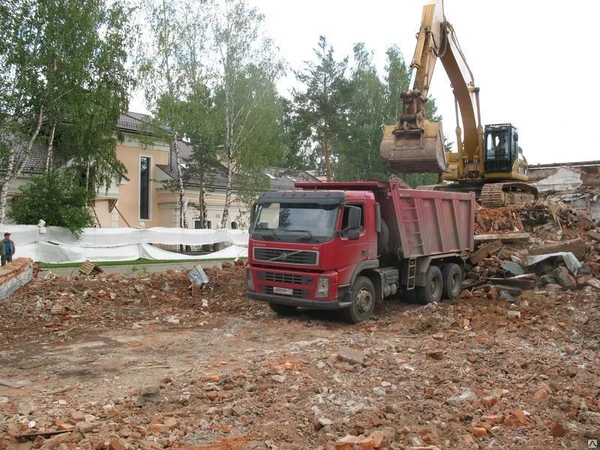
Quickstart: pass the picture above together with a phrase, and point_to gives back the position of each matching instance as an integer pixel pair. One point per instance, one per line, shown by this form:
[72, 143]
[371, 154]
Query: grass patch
[137, 262]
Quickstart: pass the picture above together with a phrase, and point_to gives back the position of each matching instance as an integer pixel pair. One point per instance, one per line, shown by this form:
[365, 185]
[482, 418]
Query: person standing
[7, 249]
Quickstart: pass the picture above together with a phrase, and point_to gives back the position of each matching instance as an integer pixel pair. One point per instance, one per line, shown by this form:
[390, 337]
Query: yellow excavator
[489, 160]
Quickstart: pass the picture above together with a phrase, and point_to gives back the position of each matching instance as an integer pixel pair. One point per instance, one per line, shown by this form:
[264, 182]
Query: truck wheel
[363, 301]
[283, 310]
[432, 291]
[452, 277]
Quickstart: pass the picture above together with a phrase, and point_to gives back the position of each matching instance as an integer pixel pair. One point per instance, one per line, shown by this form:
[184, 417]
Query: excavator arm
[416, 145]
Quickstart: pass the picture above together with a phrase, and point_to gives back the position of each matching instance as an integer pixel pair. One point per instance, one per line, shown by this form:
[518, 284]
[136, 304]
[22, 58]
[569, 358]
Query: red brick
[557, 430]
[490, 400]
[520, 415]
[479, 431]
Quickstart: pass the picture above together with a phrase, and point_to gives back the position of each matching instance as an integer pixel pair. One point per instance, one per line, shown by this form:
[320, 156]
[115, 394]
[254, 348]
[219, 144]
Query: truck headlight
[322, 287]
[249, 280]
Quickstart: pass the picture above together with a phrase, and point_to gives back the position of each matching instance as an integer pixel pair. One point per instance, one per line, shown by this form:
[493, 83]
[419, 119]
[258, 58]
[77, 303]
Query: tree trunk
[327, 156]
[13, 170]
[182, 198]
[228, 190]
[203, 213]
[327, 151]
[229, 155]
[50, 148]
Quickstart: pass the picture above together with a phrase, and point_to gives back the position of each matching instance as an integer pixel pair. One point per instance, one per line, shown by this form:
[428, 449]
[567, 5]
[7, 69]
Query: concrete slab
[14, 275]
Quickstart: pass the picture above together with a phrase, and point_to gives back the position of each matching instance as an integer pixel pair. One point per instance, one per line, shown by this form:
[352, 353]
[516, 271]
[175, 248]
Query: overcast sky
[535, 61]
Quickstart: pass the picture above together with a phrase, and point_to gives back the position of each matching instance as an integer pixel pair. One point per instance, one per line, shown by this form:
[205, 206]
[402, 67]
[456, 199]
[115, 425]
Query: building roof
[135, 123]
[280, 179]
[132, 122]
[36, 160]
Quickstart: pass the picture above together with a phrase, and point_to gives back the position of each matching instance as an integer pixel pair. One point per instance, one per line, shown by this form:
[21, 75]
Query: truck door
[355, 250]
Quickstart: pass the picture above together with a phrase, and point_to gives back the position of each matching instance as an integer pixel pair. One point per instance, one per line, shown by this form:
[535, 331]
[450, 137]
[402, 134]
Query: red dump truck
[345, 246]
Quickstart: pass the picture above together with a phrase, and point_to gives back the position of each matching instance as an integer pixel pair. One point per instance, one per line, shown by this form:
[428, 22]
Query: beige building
[142, 198]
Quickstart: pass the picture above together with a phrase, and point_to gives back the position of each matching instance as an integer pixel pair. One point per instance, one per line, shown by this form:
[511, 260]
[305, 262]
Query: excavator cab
[501, 148]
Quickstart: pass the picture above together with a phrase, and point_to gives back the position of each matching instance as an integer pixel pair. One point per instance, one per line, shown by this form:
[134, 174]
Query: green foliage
[139, 271]
[63, 85]
[247, 67]
[421, 179]
[359, 156]
[209, 77]
[397, 80]
[55, 197]
[322, 105]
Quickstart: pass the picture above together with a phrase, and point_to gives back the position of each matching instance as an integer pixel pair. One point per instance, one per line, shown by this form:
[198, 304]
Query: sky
[533, 60]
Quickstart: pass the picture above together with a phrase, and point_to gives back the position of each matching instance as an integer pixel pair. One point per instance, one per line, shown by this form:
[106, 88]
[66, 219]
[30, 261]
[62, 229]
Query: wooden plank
[526, 284]
[503, 237]
[485, 251]
[41, 433]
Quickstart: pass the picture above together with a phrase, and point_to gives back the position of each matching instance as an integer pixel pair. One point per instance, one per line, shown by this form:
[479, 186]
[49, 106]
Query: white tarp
[228, 253]
[59, 245]
[109, 237]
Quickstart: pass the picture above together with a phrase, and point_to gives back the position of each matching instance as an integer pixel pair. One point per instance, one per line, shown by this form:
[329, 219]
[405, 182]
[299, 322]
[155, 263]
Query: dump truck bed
[429, 223]
[419, 222]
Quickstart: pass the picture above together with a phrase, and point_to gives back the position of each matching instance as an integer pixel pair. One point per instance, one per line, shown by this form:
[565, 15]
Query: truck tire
[432, 291]
[283, 310]
[383, 238]
[452, 278]
[363, 301]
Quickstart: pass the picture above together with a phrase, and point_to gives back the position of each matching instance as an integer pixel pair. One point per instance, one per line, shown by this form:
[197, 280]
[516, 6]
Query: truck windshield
[296, 222]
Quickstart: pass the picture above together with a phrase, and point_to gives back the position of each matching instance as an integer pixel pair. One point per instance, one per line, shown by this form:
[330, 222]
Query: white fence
[59, 245]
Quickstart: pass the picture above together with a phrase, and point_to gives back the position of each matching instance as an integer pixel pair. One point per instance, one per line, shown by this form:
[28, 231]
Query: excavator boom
[416, 145]
[413, 135]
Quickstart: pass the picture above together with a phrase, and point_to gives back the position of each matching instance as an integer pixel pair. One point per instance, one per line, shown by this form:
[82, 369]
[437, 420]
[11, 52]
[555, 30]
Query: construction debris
[142, 361]
[90, 268]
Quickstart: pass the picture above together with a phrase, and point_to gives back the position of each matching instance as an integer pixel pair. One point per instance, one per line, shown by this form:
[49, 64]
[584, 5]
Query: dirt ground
[150, 361]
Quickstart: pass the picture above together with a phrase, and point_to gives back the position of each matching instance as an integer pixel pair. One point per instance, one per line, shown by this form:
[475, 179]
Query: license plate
[283, 291]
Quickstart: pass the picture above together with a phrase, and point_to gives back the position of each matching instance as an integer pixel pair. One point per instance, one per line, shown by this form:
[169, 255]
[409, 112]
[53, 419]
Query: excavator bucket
[414, 151]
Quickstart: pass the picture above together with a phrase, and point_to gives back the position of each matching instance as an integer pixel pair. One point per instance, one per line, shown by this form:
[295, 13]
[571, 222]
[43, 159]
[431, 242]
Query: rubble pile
[544, 245]
[185, 360]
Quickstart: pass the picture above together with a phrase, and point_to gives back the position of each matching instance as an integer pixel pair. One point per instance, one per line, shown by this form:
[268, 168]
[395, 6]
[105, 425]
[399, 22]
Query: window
[145, 187]
[198, 224]
[346, 214]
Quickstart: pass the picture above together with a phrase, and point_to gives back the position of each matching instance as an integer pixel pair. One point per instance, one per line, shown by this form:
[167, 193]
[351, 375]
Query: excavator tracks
[496, 195]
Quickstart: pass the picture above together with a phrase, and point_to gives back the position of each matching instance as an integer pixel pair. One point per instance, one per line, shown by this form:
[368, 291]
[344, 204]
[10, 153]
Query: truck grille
[285, 278]
[281, 256]
[298, 285]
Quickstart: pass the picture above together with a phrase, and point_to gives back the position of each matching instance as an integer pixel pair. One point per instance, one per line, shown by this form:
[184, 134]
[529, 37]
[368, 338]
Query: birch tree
[200, 126]
[247, 67]
[52, 56]
[168, 67]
